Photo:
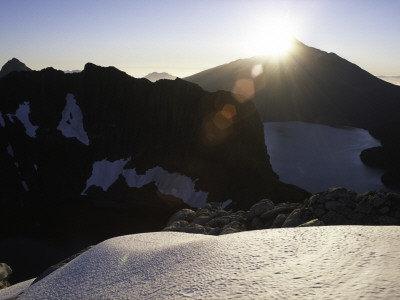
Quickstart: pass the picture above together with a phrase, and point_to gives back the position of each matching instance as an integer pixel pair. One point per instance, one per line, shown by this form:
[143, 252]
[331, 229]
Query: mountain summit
[11, 66]
[315, 86]
[307, 85]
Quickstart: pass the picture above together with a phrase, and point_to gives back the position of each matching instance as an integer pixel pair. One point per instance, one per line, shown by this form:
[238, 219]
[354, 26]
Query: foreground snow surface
[344, 262]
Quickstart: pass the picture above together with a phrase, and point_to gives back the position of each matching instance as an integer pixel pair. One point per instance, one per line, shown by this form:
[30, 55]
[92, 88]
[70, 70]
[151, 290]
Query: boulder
[5, 272]
[279, 220]
[260, 208]
[184, 214]
[298, 217]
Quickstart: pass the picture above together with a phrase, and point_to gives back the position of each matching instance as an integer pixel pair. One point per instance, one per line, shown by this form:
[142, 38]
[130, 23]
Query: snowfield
[332, 262]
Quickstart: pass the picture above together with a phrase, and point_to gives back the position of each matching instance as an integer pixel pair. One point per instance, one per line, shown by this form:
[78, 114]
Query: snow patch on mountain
[71, 124]
[332, 262]
[22, 114]
[105, 173]
[25, 186]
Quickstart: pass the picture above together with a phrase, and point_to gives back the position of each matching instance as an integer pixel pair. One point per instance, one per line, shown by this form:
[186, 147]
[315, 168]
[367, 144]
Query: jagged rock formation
[311, 85]
[11, 66]
[155, 76]
[335, 206]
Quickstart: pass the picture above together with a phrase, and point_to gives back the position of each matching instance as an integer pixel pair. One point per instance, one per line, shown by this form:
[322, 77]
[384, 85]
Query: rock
[335, 205]
[176, 226]
[233, 227]
[378, 200]
[195, 228]
[261, 207]
[280, 208]
[337, 194]
[319, 211]
[256, 223]
[297, 217]
[203, 212]
[364, 207]
[219, 222]
[201, 220]
[386, 220]
[279, 220]
[5, 272]
[314, 222]
[228, 230]
[219, 213]
[214, 231]
[184, 214]
[333, 218]
[384, 210]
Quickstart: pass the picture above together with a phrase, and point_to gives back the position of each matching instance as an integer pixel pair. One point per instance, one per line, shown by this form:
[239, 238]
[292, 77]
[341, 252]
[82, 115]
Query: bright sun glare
[272, 38]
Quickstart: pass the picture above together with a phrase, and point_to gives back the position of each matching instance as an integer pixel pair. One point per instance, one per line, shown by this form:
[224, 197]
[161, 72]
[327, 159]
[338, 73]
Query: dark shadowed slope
[56, 127]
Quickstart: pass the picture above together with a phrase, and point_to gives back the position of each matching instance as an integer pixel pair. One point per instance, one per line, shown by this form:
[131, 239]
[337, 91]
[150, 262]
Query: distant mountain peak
[154, 76]
[13, 65]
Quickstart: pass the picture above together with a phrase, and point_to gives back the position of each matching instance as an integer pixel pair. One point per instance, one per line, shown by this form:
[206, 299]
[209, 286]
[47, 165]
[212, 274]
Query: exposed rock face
[5, 272]
[11, 66]
[335, 206]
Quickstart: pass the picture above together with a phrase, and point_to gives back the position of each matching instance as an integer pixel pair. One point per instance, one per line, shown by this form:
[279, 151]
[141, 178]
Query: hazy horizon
[185, 37]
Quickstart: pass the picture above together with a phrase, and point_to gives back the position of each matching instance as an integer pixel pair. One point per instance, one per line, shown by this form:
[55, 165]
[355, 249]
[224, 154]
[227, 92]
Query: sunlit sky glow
[183, 37]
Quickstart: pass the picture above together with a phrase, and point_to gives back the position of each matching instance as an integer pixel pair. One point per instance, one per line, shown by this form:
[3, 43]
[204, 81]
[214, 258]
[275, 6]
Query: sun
[271, 38]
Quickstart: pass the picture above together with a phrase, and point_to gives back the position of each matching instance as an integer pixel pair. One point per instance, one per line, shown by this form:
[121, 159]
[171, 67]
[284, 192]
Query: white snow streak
[25, 186]
[10, 117]
[105, 173]
[71, 124]
[22, 114]
[332, 262]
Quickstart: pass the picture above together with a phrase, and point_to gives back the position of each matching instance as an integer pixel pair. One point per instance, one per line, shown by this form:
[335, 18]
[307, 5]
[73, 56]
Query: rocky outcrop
[5, 272]
[335, 206]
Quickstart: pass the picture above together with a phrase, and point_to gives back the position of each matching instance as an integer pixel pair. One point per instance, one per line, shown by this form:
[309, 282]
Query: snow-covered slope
[337, 262]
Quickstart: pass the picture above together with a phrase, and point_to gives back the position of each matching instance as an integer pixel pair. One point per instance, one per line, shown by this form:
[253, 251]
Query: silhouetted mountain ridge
[314, 86]
[11, 66]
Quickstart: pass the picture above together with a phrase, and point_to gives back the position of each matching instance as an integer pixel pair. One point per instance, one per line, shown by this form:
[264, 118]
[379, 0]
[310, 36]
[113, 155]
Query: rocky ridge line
[335, 206]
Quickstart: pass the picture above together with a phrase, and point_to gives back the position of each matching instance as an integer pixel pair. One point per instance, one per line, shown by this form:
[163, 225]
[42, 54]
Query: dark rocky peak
[11, 66]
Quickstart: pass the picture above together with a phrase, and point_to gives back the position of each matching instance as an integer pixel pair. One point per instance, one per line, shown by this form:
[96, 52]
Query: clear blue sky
[183, 37]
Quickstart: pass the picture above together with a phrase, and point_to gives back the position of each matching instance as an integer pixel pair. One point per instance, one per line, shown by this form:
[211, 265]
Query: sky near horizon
[183, 37]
